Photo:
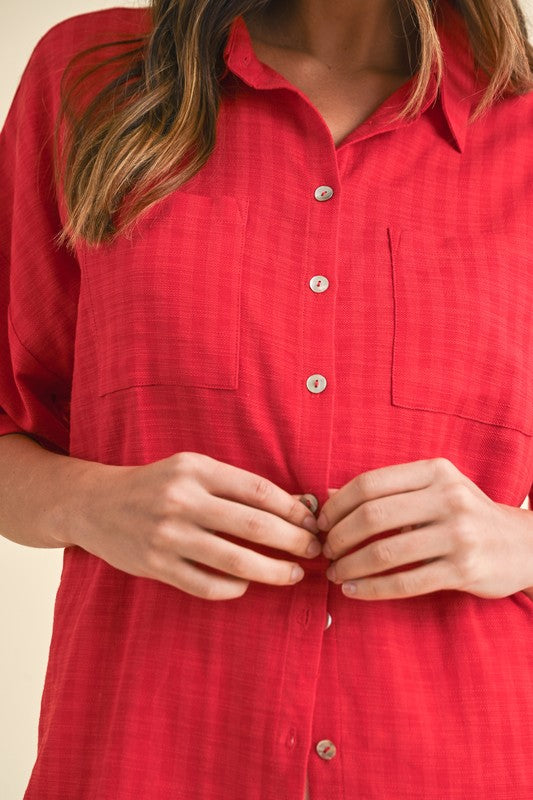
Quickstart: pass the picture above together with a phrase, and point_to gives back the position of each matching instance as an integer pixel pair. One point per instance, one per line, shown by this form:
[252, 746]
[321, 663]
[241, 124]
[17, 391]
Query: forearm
[41, 493]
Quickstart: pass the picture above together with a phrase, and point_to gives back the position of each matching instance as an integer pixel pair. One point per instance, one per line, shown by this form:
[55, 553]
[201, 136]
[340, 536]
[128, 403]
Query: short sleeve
[39, 281]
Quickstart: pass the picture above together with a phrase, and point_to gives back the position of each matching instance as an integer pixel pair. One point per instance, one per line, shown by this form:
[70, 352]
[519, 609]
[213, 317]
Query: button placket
[322, 254]
[319, 283]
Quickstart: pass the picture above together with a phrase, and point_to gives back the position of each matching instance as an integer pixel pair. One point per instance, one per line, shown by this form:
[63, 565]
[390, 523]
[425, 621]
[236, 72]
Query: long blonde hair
[152, 126]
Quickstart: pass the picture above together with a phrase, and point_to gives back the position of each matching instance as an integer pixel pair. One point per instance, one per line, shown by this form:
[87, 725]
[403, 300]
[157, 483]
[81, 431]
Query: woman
[255, 251]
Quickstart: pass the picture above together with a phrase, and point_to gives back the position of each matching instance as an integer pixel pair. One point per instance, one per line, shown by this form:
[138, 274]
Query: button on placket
[316, 383]
[323, 193]
[319, 283]
[326, 749]
[310, 501]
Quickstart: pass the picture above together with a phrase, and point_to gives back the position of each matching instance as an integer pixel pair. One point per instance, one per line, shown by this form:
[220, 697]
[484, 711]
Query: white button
[326, 749]
[316, 383]
[328, 621]
[310, 501]
[319, 283]
[323, 193]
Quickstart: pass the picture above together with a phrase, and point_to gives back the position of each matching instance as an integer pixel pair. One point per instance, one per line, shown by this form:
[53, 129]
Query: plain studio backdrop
[30, 576]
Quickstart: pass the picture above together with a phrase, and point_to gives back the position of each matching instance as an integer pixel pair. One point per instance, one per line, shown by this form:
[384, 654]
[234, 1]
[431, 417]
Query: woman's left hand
[466, 540]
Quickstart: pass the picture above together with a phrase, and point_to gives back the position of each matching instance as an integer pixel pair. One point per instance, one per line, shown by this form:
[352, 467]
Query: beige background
[29, 577]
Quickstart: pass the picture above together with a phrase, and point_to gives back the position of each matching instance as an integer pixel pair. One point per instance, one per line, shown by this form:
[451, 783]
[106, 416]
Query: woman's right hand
[160, 520]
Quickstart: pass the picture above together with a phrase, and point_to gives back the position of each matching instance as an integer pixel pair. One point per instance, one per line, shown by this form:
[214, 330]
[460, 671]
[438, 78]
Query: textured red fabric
[199, 334]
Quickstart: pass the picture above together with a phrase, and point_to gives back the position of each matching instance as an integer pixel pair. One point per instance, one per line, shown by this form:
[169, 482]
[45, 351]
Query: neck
[364, 34]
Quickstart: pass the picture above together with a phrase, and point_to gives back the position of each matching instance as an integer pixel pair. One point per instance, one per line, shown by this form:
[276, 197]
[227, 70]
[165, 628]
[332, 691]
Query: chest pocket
[463, 332]
[166, 302]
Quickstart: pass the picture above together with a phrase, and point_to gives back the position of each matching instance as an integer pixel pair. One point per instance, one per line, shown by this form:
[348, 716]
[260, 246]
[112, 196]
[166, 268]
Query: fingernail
[310, 524]
[314, 549]
[349, 588]
[322, 521]
[297, 573]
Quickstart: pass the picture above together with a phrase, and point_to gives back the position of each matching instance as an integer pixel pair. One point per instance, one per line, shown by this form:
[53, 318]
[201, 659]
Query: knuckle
[159, 537]
[457, 496]
[186, 462]
[152, 561]
[337, 541]
[382, 553]
[372, 591]
[442, 466]
[468, 567]
[366, 484]
[253, 526]
[261, 489]
[372, 514]
[463, 533]
[235, 563]
[171, 498]
[177, 504]
[406, 584]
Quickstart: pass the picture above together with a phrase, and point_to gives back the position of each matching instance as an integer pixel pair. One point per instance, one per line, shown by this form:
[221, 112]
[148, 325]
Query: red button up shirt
[204, 332]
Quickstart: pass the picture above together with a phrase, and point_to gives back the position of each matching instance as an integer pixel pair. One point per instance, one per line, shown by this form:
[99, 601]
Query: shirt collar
[458, 79]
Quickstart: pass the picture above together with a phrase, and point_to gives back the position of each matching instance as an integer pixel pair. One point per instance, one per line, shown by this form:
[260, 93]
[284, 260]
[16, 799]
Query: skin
[465, 540]
[355, 35]
[347, 59]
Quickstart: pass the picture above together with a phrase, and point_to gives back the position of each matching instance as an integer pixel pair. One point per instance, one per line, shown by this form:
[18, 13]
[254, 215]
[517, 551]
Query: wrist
[523, 532]
[79, 484]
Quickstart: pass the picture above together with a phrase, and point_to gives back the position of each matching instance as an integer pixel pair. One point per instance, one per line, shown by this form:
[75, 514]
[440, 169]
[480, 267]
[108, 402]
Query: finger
[429, 542]
[380, 482]
[232, 559]
[234, 483]
[256, 525]
[196, 581]
[433, 577]
[419, 507]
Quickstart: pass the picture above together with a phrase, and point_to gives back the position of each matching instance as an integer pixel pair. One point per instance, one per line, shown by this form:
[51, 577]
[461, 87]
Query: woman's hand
[465, 540]
[160, 520]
